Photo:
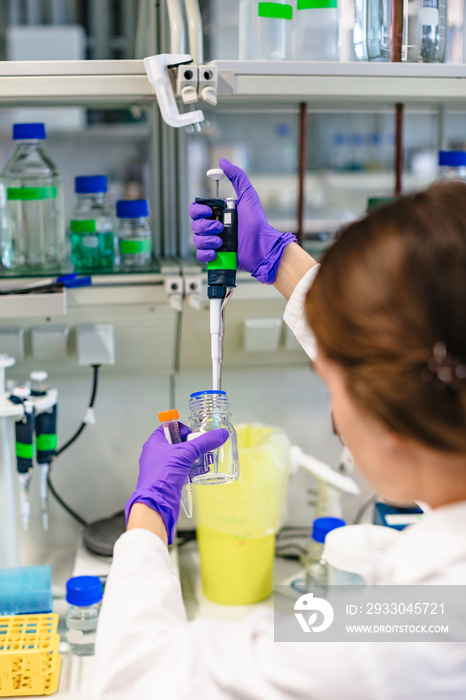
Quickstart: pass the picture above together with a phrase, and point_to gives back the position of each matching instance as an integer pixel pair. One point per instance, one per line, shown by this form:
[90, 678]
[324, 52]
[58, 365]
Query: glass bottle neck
[209, 403]
[136, 221]
[28, 144]
[91, 197]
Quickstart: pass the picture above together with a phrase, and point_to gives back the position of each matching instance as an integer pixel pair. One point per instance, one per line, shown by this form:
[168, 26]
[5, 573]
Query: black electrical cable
[290, 545]
[64, 505]
[58, 498]
[95, 382]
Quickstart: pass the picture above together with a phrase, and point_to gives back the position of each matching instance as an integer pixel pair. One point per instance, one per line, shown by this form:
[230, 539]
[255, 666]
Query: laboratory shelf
[124, 82]
[74, 83]
[346, 84]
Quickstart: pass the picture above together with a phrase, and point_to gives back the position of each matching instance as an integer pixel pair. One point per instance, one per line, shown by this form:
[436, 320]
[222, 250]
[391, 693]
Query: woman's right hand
[260, 246]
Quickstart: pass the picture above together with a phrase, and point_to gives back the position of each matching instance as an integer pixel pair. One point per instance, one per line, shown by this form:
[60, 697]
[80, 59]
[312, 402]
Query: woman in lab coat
[387, 308]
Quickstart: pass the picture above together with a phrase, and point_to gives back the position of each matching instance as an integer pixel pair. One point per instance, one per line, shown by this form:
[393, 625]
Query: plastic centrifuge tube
[171, 429]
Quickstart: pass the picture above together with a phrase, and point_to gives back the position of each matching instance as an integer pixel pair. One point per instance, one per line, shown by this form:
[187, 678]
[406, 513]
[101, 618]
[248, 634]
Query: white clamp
[174, 290]
[157, 72]
[193, 290]
[186, 83]
[207, 85]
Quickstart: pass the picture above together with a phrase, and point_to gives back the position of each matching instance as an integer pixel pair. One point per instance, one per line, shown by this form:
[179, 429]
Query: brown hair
[391, 287]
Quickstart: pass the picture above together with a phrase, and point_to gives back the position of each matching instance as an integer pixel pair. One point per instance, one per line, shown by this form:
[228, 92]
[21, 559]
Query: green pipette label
[24, 450]
[46, 442]
[224, 261]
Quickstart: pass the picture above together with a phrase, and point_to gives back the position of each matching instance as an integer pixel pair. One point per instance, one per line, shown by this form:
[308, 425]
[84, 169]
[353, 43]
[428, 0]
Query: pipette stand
[8, 522]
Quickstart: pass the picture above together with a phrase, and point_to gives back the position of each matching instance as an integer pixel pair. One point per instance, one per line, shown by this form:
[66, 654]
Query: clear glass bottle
[315, 567]
[424, 30]
[84, 595]
[264, 30]
[31, 206]
[134, 234]
[91, 226]
[209, 410]
[316, 31]
[452, 165]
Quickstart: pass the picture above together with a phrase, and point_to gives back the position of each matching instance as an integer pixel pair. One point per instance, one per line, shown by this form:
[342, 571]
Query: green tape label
[28, 193]
[316, 4]
[46, 442]
[224, 261]
[132, 247]
[24, 451]
[83, 226]
[274, 10]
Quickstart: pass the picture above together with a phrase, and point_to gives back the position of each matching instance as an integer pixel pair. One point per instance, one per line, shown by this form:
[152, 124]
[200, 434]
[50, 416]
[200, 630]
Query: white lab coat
[146, 648]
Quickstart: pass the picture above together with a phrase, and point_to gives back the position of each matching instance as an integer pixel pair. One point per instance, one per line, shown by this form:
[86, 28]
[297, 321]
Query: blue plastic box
[26, 590]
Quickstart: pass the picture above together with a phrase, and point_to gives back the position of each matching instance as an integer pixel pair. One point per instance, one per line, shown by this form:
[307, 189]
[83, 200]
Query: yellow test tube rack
[29, 658]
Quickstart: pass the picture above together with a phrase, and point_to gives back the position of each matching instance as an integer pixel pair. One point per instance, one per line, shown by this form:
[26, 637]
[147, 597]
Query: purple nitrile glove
[260, 246]
[164, 468]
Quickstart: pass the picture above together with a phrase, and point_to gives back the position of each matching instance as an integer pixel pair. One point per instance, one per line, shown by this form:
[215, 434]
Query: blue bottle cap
[84, 184]
[322, 526]
[208, 391]
[453, 159]
[132, 208]
[28, 131]
[83, 590]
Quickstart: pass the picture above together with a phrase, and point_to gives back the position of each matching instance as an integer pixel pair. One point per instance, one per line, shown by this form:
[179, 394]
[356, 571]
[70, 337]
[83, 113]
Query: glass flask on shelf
[264, 30]
[315, 32]
[91, 226]
[423, 37]
[452, 165]
[134, 234]
[31, 206]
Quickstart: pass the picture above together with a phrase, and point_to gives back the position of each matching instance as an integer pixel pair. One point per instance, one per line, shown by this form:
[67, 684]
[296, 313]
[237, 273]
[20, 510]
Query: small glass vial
[452, 165]
[134, 233]
[315, 566]
[91, 226]
[84, 595]
[209, 410]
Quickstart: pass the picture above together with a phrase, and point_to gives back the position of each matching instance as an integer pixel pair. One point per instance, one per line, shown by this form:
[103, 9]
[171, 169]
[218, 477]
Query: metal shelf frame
[125, 82]
[330, 83]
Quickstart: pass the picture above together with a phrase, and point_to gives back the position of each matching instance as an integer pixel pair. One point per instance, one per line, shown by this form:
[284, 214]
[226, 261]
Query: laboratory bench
[76, 675]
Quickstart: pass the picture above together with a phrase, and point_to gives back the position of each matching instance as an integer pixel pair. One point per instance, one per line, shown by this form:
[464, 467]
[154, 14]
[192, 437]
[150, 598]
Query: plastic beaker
[237, 523]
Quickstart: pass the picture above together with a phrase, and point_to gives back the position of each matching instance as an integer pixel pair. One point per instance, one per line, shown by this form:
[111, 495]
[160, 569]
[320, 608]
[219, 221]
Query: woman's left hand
[164, 468]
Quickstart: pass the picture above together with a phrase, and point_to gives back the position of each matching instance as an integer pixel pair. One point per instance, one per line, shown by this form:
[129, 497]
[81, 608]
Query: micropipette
[171, 429]
[46, 442]
[221, 272]
[24, 433]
